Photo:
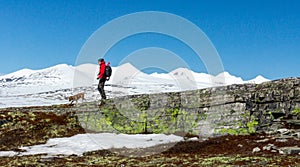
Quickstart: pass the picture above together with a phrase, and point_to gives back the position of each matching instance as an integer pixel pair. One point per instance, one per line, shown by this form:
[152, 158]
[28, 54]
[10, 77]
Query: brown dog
[76, 97]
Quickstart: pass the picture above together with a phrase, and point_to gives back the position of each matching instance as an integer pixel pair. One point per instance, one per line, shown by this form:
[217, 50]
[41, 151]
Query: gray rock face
[234, 109]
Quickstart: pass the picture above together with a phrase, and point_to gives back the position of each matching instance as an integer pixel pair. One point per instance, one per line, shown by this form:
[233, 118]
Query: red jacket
[101, 73]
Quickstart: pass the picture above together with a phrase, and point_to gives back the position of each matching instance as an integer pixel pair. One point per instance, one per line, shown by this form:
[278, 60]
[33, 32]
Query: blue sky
[252, 37]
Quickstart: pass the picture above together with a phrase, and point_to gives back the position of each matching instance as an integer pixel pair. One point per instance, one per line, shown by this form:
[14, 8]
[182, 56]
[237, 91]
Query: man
[102, 78]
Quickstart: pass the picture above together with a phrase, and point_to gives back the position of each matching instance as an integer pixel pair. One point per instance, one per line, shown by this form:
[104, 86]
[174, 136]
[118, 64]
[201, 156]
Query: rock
[262, 141]
[2, 122]
[269, 147]
[284, 131]
[294, 122]
[270, 132]
[281, 140]
[256, 149]
[289, 150]
[296, 134]
[232, 109]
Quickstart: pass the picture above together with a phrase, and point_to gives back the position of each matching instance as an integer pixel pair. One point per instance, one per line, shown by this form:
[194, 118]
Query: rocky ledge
[236, 109]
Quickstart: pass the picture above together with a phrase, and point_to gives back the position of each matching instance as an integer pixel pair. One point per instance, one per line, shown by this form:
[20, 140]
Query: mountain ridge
[27, 71]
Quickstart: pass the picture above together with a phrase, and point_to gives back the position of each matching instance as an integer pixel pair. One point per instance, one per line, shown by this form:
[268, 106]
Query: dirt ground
[30, 128]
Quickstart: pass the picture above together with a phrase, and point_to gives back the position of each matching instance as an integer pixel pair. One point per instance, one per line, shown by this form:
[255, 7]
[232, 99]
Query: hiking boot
[101, 103]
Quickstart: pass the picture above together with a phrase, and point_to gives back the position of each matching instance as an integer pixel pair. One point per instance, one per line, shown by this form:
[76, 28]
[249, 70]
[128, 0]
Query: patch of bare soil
[29, 128]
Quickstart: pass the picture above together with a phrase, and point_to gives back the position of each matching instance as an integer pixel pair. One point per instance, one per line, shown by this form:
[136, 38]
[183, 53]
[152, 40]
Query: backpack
[108, 71]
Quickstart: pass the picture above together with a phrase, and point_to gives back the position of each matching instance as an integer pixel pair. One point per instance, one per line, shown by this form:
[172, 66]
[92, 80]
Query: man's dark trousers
[101, 88]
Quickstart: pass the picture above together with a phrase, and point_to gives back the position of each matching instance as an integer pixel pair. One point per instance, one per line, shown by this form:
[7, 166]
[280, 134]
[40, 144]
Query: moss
[144, 120]
[243, 129]
[252, 125]
[142, 102]
[296, 111]
[230, 131]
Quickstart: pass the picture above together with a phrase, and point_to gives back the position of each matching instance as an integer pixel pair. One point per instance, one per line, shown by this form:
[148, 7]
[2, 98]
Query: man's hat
[100, 60]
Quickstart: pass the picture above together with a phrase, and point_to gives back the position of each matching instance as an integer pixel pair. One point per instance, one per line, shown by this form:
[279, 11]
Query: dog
[76, 98]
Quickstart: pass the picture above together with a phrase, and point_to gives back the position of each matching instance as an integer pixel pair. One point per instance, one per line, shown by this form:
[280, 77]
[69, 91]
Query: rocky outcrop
[234, 109]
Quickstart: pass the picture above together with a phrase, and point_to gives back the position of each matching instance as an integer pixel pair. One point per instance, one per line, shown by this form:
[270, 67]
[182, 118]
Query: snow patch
[81, 143]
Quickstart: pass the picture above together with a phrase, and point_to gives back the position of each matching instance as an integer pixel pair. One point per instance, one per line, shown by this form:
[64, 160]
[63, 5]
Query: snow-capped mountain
[258, 79]
[54, 84]
[36, 81]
